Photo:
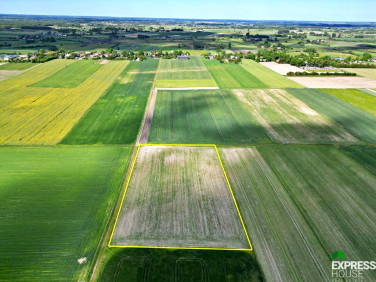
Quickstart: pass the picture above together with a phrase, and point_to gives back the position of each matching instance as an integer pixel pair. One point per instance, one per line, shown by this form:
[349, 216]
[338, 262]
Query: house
[183, 57]
[8, 57]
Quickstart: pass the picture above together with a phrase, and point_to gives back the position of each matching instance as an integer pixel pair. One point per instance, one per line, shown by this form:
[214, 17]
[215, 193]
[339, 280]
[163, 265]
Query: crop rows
[116, 117]
[287, 119]
[71, 76]
[178, 197]
[267, 76]
[300, 206]
[231, 76]
[210, 116]
[32, 115]
[184, 73]
[358, 122]
[54, 205]
[355, 97]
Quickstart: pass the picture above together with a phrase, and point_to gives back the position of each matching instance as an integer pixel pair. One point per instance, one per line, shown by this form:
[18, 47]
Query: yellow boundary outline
[180, 248]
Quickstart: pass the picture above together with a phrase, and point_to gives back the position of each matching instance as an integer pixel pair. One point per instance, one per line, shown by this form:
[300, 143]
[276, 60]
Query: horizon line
[193, 19]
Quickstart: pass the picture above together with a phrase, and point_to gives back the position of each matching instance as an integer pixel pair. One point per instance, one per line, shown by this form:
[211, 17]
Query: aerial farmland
[194, 152]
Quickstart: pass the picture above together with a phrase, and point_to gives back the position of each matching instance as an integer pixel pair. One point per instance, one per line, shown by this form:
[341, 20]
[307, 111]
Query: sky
[312, 10]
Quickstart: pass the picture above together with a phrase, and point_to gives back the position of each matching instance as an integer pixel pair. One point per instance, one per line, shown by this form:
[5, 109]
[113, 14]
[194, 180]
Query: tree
[366, 57]
[229, 45]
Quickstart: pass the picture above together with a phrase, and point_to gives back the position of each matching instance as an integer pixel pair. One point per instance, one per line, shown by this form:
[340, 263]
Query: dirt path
[148, 119]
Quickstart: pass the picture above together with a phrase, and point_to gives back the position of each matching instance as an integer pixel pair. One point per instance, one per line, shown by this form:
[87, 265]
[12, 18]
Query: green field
[368, 91]
[116, 116]
[370, 73]
[54, 206]
[17, 66]
[287, 119]
[337, 201]
[355, 97]
[71, 76]
[139, 265]
[365, 155]
[270, 78]
[175, 73]
[232, 76]
[203, 116]
[356, 121]
[286, 247]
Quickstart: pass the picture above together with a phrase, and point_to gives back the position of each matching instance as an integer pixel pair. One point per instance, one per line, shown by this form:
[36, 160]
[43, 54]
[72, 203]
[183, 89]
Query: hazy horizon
[241, 10]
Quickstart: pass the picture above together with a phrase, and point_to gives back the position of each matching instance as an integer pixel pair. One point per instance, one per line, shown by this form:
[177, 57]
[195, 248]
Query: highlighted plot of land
[179, 197]
[176, 73]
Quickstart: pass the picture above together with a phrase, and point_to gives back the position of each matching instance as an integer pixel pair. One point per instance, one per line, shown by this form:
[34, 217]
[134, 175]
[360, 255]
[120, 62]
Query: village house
[183, 57]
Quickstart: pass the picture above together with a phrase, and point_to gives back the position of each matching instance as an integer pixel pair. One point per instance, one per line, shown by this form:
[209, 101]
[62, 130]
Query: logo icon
[338, 254]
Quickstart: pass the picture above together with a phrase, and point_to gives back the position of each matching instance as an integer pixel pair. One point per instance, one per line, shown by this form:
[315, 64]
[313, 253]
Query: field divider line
[233, 197]
[178, 248]
[125, 191]
[143, 134]
[172, 247]
[186, 88]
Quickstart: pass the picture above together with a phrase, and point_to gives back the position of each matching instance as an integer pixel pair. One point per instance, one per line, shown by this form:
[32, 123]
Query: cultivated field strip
[5, 74]
[267, 76]
[365, 155]
[203, 116]
[370, 73]
[178, 197]
[184, 73]
[116, 116]
[54, 206]
[356, 97]
[232, 76]
[356, 121]
[286, 247]
[335, 194]
[34, 75]
[287, 119]
[34, 115]
[71, 76]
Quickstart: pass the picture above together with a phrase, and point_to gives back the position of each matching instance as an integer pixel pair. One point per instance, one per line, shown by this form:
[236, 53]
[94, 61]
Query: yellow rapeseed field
[31, 115]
